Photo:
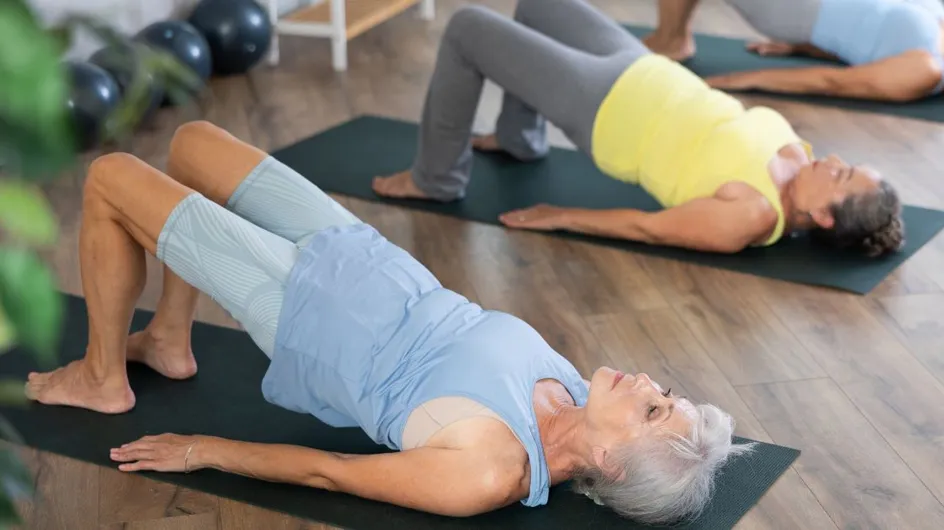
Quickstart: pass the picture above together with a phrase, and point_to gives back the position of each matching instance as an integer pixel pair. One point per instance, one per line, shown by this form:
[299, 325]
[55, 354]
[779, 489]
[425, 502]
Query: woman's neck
[563, 435]
[783, 170]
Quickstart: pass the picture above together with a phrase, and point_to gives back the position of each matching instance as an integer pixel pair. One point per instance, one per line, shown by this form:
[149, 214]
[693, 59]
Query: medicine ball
[93, 95]
[238, 32]
[119, 61]
[183, 41]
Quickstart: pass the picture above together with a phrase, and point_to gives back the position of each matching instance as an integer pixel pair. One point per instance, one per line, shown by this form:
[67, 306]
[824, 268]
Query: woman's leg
[673, 34]
[130, 208]
[788, 22]
[256, 187]
[520, 130]
[563, 84]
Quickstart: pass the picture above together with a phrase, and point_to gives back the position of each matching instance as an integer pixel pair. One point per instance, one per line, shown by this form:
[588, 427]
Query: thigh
[780, 20]
[578, 24]
[564, 84]
[278, 199]
[242, 267]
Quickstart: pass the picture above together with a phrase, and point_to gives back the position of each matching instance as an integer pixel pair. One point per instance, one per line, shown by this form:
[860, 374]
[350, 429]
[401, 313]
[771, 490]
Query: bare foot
[74, 385]
[677, 48]
[399, 186]
[170, 358]
[488, 142]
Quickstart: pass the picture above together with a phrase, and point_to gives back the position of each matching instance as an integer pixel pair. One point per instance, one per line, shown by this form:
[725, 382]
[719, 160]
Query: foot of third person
[676, 47]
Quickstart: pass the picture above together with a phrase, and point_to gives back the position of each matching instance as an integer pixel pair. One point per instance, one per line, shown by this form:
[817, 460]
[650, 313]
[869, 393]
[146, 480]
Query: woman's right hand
[772, 49]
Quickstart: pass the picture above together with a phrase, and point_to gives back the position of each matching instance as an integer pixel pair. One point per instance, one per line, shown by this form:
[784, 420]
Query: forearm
[270, 462]
[620, 224]
[821, 80]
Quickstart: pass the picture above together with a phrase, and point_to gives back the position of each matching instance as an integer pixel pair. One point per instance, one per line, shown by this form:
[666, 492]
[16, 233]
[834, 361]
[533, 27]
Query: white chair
[339, 21]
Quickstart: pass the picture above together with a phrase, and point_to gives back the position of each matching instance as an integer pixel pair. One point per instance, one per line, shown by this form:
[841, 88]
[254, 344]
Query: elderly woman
[884, 50]
[728, 177]
[483, 412]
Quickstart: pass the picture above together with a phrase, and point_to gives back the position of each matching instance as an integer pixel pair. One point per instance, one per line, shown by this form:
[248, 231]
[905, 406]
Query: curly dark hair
[867, 221]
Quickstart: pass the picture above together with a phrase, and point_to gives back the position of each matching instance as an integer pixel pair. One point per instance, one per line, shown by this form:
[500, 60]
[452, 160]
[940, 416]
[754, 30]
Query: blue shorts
[241, 255]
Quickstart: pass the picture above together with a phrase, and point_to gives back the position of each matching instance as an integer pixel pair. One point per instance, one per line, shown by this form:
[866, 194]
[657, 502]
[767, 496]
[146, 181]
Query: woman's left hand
[165, 452]
[736, 81]
[540, 217]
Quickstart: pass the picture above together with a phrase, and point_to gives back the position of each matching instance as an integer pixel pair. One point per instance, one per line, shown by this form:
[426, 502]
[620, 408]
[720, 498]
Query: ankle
[104, 375]
[166, 335]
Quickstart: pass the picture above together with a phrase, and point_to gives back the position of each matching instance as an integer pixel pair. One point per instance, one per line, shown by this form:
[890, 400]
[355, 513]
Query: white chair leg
[339, 54]
[427, 9]
[274, 43]
[339, 38]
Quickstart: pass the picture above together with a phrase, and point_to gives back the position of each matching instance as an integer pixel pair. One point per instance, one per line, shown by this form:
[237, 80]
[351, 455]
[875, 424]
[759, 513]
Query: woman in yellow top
[727, 177]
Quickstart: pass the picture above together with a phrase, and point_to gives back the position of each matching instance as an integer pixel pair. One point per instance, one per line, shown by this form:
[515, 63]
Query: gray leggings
[555, 61]
[241, 255]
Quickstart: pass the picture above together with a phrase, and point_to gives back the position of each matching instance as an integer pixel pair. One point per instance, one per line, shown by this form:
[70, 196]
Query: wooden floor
[856, 382]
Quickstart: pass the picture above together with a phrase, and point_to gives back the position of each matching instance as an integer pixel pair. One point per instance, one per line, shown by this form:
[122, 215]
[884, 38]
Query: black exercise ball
[118, 60]
[182, 40]
[238, 31]
[93, 95]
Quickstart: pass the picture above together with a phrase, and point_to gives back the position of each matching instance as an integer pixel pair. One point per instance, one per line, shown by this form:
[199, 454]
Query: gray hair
[668, 478]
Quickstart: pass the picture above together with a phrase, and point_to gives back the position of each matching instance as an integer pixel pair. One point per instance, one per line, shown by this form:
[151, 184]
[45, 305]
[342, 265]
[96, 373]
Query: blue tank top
[367, 334]
[864, 31]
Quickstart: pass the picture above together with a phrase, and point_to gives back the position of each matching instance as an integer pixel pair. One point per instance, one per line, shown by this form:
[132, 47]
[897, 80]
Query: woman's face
[829, 181]
[623, 409]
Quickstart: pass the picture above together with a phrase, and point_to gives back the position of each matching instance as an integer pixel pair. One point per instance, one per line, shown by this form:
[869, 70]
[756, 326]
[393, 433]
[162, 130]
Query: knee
[469, 19]
[187, 139]
[105, 173]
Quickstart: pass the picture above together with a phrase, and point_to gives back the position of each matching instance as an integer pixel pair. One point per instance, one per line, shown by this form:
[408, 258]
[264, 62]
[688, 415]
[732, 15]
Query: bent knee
[469, 19]
[188, 137]
[107, 172]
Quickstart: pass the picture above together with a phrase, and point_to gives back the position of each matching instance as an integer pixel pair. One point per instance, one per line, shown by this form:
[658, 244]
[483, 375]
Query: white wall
[129, 16]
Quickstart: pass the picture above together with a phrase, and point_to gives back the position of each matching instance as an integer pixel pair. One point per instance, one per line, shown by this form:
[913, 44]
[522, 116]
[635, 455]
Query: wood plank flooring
[855, 382]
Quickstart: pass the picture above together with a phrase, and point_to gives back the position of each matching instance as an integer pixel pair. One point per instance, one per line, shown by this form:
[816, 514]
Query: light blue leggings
[241, 255]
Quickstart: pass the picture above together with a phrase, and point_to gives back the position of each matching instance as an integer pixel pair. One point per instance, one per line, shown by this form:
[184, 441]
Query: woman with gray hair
[480, 410]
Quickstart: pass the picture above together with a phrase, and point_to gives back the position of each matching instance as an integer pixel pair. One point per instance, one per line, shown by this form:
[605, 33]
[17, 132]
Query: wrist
[204, 453]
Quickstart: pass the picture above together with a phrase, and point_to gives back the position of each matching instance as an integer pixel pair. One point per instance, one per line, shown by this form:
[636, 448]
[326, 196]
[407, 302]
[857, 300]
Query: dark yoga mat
[224, 399]
[724, 55]
[346, 158]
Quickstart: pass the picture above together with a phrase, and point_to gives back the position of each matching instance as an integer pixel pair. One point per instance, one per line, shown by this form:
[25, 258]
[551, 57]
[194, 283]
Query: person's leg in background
[779, 21]
[558, 81]
[673, 34]
[520, 130]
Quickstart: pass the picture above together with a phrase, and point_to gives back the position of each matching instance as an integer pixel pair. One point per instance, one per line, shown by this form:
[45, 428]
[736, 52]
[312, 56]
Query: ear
[599, 455]
[823, 218]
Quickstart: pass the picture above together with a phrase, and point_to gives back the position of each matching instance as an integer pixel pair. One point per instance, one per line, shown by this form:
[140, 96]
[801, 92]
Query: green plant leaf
[36, 137]
[25, 213]
[12, 392]
[7, 333]
[9, 516]
[32, 302]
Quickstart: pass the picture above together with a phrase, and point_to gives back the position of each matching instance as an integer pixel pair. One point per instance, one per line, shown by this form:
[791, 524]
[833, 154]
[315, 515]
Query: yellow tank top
[663, 128]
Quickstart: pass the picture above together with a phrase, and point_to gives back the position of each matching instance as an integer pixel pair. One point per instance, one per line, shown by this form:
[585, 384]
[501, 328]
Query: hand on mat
[772, 49]
[735, 81]
[166, 452]
[540, 217]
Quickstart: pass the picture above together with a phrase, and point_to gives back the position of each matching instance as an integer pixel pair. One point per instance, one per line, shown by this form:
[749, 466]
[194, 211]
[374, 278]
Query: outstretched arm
[708, 224]
[906, 77]
[451, 482]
